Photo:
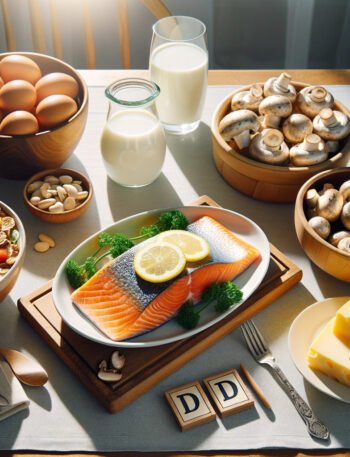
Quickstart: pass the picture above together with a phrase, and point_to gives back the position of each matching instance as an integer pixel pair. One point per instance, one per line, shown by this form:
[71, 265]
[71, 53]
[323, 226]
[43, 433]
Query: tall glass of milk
[133, 141]
[179, 65]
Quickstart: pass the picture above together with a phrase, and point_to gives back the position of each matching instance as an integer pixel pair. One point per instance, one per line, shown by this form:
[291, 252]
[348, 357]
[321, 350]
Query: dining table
[63, 416]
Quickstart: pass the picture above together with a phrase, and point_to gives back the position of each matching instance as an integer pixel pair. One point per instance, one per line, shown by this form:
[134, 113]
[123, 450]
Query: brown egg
[55, 109]
[56, 83]
[16, 66]
[19, 123]
[17, 95]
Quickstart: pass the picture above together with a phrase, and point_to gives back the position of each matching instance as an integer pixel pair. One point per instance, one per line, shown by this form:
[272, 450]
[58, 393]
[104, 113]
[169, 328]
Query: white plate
[306, 326]
[248, 281]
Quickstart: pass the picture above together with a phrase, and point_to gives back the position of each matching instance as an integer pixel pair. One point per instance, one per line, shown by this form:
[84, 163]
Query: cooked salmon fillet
[122, 305]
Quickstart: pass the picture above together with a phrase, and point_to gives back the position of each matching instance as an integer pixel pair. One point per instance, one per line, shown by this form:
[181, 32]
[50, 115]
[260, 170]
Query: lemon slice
[159, 262]
[193, 246]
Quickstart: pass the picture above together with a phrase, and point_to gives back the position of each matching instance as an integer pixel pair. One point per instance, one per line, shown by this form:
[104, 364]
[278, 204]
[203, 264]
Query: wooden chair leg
[89, 36]
[123, 30]
[10, 37]
[56, 34]
[157, 8]
[37, 26]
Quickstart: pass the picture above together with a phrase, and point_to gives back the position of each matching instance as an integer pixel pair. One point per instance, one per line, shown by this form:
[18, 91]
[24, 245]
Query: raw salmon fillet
[122, 305]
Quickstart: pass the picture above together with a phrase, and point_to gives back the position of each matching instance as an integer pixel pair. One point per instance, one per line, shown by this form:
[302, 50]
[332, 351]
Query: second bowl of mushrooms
[322, 221]
[313, 135]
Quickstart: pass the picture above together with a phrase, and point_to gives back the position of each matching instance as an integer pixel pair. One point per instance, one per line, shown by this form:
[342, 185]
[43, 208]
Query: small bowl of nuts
[58, 195]
[12, 248]
[322, 221]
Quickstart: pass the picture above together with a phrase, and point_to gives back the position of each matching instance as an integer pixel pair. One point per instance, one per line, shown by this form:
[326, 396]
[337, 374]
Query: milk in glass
[180, 69]
[133, 147]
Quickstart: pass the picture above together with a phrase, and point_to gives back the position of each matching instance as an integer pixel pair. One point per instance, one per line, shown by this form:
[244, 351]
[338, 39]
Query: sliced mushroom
[117, 360]
[344, 245]
[321, 226]
[330, 205]
[237, 126]
[109, 375]
[280, 86]
[296, 127]
[344, 189]
[310, 152]
[311, 100]
[337, 236]
[332, 125]
[274, 108]
[248, 99]
[269, 147]
[345, 215]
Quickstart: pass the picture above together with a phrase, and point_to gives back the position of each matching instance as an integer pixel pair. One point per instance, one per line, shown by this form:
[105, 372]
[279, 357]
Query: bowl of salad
[12, 249]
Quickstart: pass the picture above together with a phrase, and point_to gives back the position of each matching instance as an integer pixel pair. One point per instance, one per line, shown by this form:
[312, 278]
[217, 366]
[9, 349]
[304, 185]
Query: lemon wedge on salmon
[159, 262]
[193, 246]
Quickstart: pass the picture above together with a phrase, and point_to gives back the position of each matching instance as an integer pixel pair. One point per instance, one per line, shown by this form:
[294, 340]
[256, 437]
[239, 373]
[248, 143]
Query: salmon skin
[122, 305]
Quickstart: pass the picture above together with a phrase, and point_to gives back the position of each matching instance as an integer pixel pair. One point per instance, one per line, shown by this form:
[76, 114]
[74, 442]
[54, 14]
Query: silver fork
[263, 355]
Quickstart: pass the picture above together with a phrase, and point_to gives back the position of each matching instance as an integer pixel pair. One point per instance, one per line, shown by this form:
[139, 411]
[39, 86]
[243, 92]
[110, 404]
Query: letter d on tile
[228, 389]
[189, 401]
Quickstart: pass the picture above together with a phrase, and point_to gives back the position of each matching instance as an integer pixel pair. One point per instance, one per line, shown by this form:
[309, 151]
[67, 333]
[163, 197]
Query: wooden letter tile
[228, 392]
[190, 405]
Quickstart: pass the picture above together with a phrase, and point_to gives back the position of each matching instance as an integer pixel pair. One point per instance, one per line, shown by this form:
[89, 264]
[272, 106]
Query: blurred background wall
[242, 34]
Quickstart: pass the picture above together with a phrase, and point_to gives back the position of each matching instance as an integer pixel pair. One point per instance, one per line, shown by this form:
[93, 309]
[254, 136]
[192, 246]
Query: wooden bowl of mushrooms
[322, 221]
[269, 138]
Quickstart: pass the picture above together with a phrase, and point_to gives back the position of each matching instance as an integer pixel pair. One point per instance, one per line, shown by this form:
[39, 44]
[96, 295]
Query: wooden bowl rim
[299, 207]
[80, 81]
[22, 234]
[251, 162]
[57, 172]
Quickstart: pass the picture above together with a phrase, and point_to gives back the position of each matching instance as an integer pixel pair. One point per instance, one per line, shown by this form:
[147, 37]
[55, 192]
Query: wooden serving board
[145, 367]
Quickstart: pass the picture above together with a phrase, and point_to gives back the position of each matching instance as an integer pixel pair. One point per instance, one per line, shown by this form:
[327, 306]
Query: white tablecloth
[64, 416]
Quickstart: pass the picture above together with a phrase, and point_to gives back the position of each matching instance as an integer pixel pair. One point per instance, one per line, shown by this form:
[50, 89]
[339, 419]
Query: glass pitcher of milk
[133, 142]
[179, 65]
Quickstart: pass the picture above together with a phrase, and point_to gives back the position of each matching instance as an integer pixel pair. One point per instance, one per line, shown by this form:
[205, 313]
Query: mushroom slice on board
[332, 125]
[273, 109]
[311, 151]
[269, 147]
[248, 99]
[313, 99]
[237, 126]
[280, 86]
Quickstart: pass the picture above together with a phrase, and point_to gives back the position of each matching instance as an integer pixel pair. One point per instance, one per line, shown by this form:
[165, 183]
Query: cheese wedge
[329, 355]
[342, 324]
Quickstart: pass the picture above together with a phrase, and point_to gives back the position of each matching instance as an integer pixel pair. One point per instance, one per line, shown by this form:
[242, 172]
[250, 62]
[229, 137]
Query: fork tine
[249, 340]
[258, 336]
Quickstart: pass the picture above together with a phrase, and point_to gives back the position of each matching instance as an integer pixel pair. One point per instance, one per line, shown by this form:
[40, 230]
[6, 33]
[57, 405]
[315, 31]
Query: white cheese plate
[304, 329]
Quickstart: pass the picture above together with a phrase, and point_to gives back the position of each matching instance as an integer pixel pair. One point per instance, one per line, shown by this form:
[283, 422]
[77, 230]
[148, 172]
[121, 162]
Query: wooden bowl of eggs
[269, 138]
[322, 221]
[43, 112]
[58, 195]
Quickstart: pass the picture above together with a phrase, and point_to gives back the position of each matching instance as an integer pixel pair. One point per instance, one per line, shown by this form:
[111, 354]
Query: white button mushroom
[345, 215]
[313, 99]
[237, 126]
[269, 147]
[330, 205]
[296, 127]
[273, 109]
[337, 236]
[280, 86]
[344, 245]
[321, 226]
[344, 189]
[310, 152]
[332, 125]
[248, 99]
